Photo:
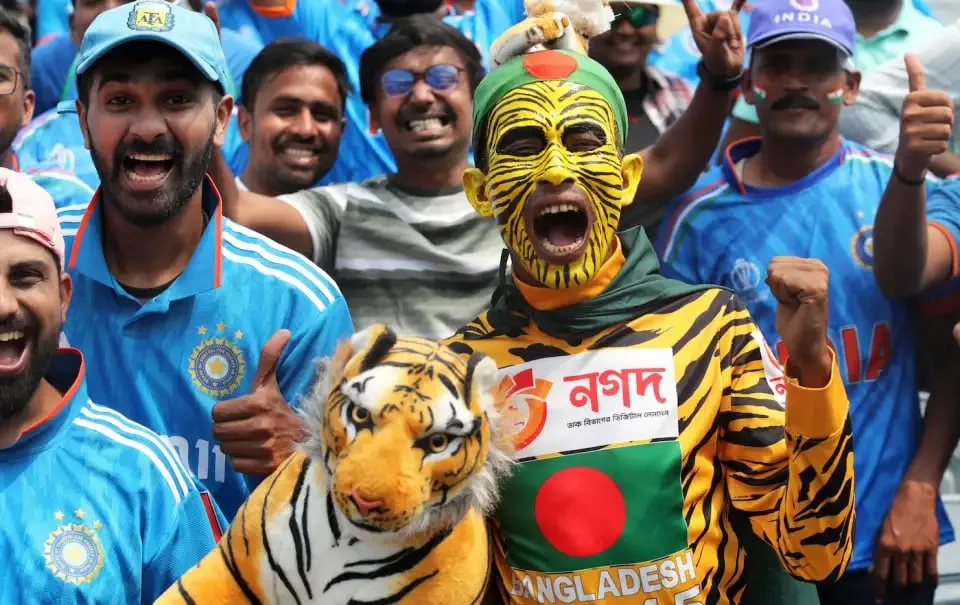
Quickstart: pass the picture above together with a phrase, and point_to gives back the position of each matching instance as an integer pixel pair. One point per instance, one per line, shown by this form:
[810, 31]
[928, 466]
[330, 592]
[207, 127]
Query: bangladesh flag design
[616, 506]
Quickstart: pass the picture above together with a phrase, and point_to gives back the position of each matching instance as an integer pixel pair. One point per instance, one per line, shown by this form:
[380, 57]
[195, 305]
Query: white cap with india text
[32, 213]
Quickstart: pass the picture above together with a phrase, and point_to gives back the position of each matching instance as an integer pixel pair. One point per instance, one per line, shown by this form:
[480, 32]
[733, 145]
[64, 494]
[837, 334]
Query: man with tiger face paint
[647, 411]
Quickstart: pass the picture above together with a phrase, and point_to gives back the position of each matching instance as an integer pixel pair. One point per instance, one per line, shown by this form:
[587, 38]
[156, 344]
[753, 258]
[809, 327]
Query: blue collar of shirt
[201, 274]
[67, 374]
[751, 146]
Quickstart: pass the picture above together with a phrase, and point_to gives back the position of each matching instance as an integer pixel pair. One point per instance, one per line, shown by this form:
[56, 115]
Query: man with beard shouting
[203, 330]
[647, 410]
[96, 507]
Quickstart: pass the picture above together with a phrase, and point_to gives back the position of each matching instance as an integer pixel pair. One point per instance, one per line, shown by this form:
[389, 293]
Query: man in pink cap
[100, 508]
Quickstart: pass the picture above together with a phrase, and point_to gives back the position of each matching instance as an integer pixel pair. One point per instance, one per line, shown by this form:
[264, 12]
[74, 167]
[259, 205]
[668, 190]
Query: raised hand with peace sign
[718, 37]
[926, 123]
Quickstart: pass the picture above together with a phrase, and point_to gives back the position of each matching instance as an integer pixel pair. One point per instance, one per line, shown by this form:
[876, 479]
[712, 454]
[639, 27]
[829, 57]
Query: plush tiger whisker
[386, 499]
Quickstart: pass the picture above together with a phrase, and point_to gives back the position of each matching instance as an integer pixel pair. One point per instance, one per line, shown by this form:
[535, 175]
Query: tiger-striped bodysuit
[634, 445]
[385, 503]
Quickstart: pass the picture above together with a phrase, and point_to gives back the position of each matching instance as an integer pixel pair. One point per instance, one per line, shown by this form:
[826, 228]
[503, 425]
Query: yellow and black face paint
[554, 109]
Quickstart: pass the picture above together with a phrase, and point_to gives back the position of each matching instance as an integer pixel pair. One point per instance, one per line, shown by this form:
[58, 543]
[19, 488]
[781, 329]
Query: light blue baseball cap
[191, 33]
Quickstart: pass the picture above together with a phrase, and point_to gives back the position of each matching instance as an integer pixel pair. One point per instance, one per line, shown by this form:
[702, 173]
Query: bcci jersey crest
[72, 551]
[151, 17]
[217, 365]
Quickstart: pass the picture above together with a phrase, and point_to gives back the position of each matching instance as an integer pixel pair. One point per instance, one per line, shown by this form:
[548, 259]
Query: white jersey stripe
[110, 434]
[244, 260]
[250, 247]
[103, 414]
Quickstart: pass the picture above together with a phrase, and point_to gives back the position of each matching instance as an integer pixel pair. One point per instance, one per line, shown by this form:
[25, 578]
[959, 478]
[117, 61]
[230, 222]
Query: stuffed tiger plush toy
[553, 24]
[385, 501]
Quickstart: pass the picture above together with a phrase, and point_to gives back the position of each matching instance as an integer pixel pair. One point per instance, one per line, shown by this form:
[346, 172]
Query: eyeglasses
[8, 80]
[638, 16]
[398, 82]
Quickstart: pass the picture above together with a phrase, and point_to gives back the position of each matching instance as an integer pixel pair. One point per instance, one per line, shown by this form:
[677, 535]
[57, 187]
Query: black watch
[715, 83]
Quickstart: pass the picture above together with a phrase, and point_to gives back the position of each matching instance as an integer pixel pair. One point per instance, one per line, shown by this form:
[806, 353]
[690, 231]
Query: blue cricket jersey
[165, 362]
[65, 189]
[97, 509]
[943, 212]
[726, 232]
[52, 18]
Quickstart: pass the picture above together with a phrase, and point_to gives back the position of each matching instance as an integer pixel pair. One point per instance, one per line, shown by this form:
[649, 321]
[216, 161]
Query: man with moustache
[292, 116]
[208, 329]
[97, 508]
[802, 189]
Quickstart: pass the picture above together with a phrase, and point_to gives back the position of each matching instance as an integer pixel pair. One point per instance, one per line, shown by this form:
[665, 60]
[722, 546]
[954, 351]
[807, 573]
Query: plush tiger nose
[364, 505]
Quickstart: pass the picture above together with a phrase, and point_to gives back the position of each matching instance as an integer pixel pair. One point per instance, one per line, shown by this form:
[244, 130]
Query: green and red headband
[565, 65]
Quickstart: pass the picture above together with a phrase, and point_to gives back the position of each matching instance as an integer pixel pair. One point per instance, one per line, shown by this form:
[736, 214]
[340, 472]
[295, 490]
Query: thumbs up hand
[258, 431]
[926, 123]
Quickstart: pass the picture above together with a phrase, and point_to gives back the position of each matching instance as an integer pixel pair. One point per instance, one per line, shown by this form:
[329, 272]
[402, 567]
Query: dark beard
[16, 391]
[186, 176]
[405, 8]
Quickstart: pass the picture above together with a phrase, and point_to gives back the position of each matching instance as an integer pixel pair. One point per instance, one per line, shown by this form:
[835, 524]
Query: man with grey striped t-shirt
[407, 249]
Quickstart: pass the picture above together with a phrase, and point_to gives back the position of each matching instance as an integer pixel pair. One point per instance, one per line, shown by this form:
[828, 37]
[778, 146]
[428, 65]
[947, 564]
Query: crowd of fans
[335, 199]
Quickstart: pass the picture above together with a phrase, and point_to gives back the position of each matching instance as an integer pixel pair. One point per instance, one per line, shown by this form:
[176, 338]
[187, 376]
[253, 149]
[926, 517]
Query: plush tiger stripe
[796, 491]
[385, 503]
[560, 113]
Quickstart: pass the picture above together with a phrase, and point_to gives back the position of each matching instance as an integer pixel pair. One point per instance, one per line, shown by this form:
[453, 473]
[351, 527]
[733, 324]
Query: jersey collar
[202, 273]
[748, 147]
[67, 374]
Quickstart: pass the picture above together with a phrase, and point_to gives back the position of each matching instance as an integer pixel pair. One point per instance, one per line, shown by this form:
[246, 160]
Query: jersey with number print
[96, 508]
[726, 232]
[165, 360]
[634, 442]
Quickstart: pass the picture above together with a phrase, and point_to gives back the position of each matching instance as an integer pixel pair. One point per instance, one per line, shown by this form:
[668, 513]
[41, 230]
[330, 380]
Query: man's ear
[746, 87]
[82, 116]
[245, 122]
[224, 111]
[475, 186]
[852, 88]
[631, 169]
[66, 290]
[29, 103]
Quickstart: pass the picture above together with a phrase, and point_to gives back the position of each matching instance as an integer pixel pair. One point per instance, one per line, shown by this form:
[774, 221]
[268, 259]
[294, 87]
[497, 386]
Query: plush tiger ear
[368, 347]
[481, 380]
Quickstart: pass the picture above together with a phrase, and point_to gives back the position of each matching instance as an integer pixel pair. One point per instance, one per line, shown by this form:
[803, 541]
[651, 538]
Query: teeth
[424, 124]
[8, 336]
[151, 157]
[558, 208]
[562, 249]
[298, 152]
[133, 176]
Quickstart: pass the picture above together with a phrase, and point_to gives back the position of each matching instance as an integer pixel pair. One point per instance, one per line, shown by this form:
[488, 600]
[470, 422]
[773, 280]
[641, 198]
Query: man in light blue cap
[165, 287]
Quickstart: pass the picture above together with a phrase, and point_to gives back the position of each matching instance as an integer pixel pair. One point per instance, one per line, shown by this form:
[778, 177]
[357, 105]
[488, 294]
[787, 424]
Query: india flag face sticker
[836, 97]
[576, 503]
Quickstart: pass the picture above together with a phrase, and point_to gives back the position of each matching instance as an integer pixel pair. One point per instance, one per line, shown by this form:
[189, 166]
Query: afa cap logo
[861, 247]
[151, 17]
[216, 365]
[805, 5]
[525, 397]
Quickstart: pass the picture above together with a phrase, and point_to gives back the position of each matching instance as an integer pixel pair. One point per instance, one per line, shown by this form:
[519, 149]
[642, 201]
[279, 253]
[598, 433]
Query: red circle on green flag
[580, 511]
[549, 65]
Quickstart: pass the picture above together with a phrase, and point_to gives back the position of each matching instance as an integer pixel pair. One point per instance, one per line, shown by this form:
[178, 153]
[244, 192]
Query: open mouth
[147, 168]
[13, 351]
[428, 125]
[300, 155]
[560, 230]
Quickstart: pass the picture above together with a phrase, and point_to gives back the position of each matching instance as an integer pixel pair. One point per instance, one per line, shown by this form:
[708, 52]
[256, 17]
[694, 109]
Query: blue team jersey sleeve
[943, 212]
[313, 338]
[66, 190]
[178, 536]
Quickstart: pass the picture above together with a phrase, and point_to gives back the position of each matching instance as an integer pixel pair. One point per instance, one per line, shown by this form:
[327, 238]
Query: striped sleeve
[178, 521]
[788, 455]
[677, 244]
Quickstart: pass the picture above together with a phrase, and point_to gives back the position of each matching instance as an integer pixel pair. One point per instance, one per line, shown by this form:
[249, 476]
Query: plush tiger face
[555, 179]
[408, 432]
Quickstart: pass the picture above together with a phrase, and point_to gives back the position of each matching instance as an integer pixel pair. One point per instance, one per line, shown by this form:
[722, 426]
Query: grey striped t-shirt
[422, 263]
